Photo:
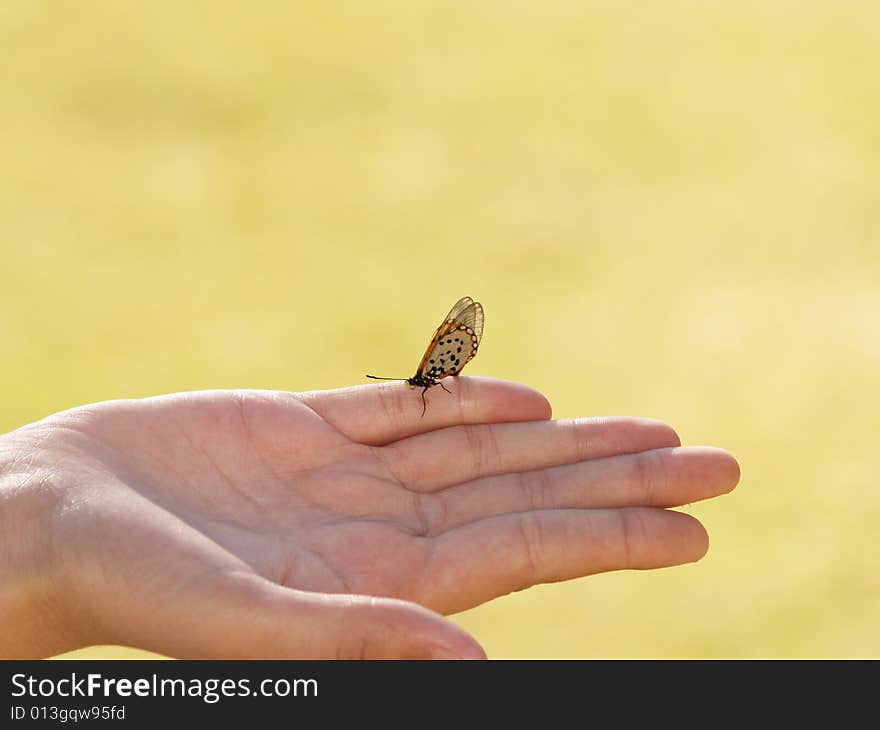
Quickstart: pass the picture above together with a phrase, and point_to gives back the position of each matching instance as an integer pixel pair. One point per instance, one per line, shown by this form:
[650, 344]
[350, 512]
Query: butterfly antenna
[424, 403]
[376, 377]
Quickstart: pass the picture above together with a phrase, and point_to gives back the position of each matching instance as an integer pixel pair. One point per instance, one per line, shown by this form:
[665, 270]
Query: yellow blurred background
[667, 209]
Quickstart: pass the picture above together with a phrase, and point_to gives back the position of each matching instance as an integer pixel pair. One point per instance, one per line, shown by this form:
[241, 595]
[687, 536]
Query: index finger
[377, 414]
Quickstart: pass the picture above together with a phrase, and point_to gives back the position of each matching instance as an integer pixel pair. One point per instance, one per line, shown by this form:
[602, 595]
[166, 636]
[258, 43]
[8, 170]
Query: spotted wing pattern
[455, 342]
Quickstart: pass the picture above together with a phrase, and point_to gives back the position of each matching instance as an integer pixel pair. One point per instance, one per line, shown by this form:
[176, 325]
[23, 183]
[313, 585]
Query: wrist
[31, 587]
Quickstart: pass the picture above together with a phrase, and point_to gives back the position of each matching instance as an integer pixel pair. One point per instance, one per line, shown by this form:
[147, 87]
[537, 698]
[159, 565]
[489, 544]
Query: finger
[380, 413]
[462, 453]
[667, 477]
[242, 615]
[493, 557]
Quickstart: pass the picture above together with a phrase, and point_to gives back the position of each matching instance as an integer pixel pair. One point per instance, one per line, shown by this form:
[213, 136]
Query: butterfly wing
[455, 342]
[458, 308]
[469, 313]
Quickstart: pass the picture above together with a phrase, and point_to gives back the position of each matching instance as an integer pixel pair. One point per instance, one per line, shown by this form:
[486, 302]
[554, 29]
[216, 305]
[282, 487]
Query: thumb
[243, 615]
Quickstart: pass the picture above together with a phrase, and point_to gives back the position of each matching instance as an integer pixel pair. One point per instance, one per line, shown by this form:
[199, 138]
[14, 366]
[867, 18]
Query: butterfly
[453, 346]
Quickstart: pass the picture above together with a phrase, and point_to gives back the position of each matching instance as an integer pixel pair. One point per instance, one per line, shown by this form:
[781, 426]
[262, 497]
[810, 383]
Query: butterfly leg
[444, 387]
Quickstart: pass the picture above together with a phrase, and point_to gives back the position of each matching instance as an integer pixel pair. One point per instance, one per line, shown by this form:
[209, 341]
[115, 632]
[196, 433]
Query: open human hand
[325, 524]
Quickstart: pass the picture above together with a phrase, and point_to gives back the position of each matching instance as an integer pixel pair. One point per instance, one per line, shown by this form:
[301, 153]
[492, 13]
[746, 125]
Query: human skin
[327, 524]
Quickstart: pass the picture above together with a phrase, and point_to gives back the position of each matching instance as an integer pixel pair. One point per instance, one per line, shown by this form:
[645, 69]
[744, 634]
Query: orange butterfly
[453, 346]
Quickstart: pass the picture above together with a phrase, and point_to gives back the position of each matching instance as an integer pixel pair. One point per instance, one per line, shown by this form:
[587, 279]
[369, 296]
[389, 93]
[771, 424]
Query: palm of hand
[271, 483]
